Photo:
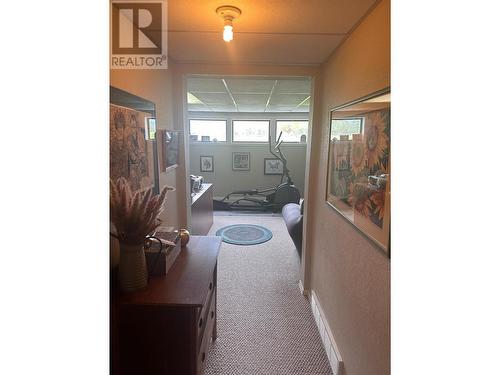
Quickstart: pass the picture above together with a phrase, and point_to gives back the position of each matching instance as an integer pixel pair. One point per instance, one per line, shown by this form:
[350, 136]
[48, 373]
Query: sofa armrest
[293, 220]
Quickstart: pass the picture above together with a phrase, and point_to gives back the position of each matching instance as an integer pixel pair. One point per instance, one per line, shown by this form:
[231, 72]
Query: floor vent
[325, 332]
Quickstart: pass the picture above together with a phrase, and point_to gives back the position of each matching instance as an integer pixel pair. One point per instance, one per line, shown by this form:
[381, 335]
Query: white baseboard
[327, 337]
[303, 291]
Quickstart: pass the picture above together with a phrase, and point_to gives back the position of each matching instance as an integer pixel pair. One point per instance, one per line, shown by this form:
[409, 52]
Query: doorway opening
[248, 138]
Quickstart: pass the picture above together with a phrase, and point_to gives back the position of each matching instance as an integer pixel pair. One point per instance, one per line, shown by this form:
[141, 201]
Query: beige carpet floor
[264, 324]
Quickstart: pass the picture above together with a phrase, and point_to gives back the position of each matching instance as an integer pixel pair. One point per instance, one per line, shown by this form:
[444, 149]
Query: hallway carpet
[264, 325]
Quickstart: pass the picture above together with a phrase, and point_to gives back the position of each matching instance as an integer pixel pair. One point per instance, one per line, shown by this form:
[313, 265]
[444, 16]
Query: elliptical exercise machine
[267, 199]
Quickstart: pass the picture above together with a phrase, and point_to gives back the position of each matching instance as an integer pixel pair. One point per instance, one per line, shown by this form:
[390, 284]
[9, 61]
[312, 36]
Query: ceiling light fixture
[228, 13]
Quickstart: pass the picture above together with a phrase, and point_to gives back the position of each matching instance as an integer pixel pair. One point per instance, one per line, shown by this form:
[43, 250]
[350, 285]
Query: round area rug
[244, 234]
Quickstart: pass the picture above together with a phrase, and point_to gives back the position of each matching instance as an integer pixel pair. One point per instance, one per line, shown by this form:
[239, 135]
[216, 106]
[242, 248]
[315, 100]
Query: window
[250, 131]
[293, 130]
[207, 130]
[346, 127]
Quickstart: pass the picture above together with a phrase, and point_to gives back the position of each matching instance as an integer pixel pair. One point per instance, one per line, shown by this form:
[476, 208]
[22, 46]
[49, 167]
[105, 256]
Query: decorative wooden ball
[184, 235]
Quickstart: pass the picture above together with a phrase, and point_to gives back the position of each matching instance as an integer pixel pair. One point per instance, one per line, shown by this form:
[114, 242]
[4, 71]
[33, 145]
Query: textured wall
[349, 274]
[226, 180]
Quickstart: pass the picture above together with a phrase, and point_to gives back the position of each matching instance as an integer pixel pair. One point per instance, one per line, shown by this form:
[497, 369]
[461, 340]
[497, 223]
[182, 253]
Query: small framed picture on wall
[206, 163]
[273, 166]
[169, 143]
[241, 161]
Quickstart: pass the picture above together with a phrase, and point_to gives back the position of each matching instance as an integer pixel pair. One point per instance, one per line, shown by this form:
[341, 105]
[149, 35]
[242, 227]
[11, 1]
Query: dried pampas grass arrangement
[135, 214]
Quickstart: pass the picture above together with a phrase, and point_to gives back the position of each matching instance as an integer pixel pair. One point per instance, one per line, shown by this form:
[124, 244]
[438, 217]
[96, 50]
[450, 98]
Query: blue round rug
[244, 234]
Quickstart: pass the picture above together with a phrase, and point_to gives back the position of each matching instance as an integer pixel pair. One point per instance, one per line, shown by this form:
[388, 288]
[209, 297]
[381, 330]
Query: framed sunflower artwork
[359, 165]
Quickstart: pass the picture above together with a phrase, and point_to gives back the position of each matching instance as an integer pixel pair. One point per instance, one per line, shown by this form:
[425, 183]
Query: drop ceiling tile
[306, 102]
[252, 86]
[214, 85]
[281, 108]
[197, 107]
[223, 108]
[210, 99]
[257, 99]
[287, 99]
[301, 109]
[293, 86]
[252, 108]
[251, 102]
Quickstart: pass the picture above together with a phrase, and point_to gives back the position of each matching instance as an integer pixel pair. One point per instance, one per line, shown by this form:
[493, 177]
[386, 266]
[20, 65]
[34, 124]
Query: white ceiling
[289, 32]
[248, 94]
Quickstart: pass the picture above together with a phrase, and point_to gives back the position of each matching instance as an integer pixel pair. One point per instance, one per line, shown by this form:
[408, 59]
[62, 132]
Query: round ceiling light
[228, 13]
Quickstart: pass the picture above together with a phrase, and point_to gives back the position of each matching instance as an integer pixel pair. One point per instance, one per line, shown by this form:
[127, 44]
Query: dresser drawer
[202, 316]
[207, 336]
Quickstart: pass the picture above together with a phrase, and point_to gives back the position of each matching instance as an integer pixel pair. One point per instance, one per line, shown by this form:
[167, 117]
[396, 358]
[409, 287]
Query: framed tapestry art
[133, 153]
[358, 183]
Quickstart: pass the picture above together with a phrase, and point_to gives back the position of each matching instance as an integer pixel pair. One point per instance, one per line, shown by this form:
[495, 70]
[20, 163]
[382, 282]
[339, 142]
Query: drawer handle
[203, 357]
[210, 286]
[212, 315]
[200, 323]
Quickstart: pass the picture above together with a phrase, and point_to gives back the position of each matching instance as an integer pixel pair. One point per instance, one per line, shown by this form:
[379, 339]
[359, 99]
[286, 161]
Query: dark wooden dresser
[202, 210]
[167, 327]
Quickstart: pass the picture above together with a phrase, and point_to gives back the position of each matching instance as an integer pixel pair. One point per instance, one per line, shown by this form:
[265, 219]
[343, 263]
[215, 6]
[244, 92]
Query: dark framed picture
[206, 163]
[241, 161]
[273, 166]
[170, 147]
[359, 165]
[131, 153]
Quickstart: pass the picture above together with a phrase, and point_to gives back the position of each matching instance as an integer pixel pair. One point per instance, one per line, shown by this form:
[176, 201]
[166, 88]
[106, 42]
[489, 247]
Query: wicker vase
[132, 271]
